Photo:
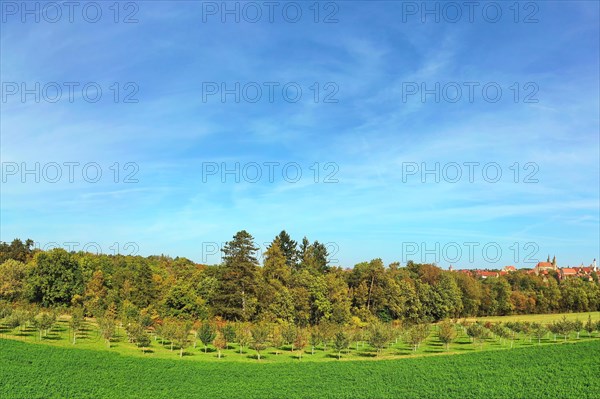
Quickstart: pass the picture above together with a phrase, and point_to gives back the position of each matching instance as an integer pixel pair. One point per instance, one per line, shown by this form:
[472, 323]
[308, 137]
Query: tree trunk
[181, 352]
[339, 355]
[370, 290]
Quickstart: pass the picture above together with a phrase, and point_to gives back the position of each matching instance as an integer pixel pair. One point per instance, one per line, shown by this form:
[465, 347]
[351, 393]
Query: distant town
[546, 269]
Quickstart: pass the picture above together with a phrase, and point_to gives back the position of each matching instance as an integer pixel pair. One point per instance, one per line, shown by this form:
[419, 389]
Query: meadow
[88, 337]
[34, 365]
[563, 370]
[538, 318]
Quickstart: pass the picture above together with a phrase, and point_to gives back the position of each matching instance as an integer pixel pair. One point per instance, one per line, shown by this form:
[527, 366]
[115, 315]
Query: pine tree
[289, 248]
[236, 298]
[275, 266]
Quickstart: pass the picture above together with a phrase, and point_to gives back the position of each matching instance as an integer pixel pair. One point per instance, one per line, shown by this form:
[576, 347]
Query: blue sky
[367, 61]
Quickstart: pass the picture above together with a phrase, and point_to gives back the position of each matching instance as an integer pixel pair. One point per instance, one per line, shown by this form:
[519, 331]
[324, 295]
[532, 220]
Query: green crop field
[568, 370]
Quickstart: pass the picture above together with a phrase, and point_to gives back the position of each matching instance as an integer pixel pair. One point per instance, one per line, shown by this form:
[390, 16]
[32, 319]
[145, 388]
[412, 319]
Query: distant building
[568, 272]
[485, 274]
[544, 267]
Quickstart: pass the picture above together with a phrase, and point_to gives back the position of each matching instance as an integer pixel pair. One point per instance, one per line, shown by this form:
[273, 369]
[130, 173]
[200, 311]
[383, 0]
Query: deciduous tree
[260, 336]
[447, 333]
[207, 334]
[341, 342]
[220, 343]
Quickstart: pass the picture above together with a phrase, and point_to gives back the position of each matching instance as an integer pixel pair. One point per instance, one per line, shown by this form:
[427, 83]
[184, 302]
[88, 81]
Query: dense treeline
[294, 285]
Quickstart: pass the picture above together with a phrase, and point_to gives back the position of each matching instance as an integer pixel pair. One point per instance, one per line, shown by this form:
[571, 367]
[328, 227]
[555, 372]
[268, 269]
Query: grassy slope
[541, 318]
[60, 336]
[557, 371]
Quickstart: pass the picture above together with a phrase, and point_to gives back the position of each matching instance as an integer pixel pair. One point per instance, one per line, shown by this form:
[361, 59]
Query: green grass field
[540, 318]
[60, 336]
[52, 367]
[563, 370]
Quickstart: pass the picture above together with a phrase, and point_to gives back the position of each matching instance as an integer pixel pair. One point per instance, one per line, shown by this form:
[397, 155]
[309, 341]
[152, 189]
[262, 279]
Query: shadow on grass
[367, 354]
[469, 348]
[51, 337]
[255, 357]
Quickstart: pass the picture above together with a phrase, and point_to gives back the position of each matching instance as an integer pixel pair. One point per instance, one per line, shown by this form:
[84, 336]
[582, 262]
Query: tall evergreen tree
[275, 263]
[289, 248]
[320, 255]
[303, 250]
[236, 298]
